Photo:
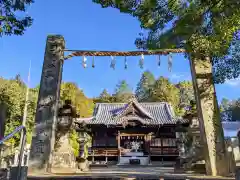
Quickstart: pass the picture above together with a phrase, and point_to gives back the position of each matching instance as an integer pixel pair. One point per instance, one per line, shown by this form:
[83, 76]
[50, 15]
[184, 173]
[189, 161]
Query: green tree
[186, 95]
[144, 85]
[228, 66]
[225, 109]
[208, 27]
[230, 110]
[122, 92]
[19, 80]
[104, 97]
[10, 21]
[70, 91]
[225, 104]
[235, 110]
[164, 91]
[12, 93]
[32, 105]
[83, 105]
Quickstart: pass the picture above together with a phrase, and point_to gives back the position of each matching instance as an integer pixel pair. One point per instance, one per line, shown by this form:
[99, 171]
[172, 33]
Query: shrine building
[133, 133]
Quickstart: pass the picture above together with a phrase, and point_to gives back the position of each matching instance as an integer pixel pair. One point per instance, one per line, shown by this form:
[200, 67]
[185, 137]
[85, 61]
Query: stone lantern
[180, 132]
[180, 136]
[83, 140]
[65, 117]
[63, 157]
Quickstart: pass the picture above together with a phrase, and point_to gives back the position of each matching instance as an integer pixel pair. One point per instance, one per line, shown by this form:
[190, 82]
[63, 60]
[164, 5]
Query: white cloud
[176, 76]
[233, 82]
[179, 76]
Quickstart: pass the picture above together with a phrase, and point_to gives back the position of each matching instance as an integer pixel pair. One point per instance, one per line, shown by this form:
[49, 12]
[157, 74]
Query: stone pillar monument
[43, 139]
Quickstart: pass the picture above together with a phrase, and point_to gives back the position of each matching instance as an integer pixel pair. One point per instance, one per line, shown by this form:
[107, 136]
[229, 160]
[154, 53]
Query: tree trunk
[209, 116]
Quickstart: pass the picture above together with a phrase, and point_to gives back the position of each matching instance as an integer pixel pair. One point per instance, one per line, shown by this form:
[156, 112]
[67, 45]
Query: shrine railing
[164, 151]
[103, 152]
[17, 130]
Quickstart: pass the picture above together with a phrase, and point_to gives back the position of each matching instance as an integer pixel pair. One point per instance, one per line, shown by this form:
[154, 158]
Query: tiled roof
[158, 113]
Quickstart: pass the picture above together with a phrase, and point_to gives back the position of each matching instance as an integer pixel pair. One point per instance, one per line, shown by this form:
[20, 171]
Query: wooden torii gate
[47, 107]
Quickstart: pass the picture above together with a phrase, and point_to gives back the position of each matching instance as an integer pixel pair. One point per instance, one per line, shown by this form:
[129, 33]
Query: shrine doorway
[131, 143]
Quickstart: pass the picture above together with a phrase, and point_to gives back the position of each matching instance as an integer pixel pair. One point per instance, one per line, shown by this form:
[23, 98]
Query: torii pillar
[43, 138]
[208, 114]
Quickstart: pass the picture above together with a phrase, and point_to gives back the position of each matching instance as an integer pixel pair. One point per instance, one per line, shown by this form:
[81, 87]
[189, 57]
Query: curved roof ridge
[128, 102]
[96, 111]
[144, 110]
[168, 111]
[111, 103]
[154, 103]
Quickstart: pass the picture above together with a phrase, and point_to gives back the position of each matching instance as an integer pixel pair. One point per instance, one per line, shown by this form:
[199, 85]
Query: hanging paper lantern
[113, 62]
[159, 60]
[125, 63]
[93, 62]
[170, 62]
[141, 61]
[84, 62]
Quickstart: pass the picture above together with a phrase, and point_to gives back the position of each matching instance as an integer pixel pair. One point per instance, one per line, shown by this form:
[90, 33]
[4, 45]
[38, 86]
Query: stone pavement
[115, 172]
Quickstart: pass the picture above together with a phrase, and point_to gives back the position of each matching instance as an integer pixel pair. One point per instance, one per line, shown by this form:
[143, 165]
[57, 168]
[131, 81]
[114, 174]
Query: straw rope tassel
[113, 62]
[84, 60]
[170, 62]
[159, 60]
[141, 61]
[93, 62]
[125, 62]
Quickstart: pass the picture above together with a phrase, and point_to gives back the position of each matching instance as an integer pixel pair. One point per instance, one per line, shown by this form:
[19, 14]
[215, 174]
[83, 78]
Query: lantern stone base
[83, 166]
[63, 160]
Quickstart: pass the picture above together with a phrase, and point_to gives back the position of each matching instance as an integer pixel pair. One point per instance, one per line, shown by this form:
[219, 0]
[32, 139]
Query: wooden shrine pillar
[208, 114]
[119, 145]
[148, 146]
[43, 138]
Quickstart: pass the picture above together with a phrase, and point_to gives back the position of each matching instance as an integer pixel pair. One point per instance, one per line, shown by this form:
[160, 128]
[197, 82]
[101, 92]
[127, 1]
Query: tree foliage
[122, 92]
[104, 97]
[149, 89]
[12, 93]
[180, 95]
[164, 91]
[83, 105]
[228, 66]
[207, 28]
[11, 23]
[230, 110]
[186, 93]
[144, 85]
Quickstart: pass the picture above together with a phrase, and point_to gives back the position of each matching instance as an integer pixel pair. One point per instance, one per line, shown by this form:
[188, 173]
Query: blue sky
[86, 26]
